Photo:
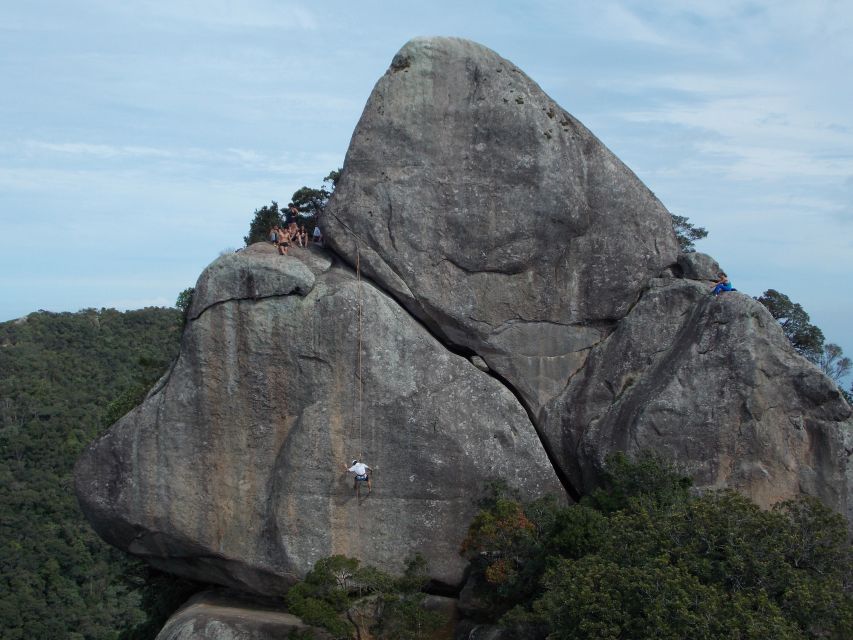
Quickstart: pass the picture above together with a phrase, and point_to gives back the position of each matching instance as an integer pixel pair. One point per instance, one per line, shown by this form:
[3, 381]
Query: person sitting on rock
[318, 235]
[362, 474]
[273, 237]
[722, 284]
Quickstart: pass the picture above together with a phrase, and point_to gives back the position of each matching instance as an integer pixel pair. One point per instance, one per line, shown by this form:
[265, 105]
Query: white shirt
[359, 468]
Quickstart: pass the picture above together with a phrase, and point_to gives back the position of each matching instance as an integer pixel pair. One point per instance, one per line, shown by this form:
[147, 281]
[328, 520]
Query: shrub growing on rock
[338, 594]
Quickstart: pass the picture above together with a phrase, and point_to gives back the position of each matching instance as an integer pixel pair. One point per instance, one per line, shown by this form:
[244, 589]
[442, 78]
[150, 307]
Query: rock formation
[711, 382]
[495, 216]
[523, 297]
[512, 232]
[224, 615]
[232, 470]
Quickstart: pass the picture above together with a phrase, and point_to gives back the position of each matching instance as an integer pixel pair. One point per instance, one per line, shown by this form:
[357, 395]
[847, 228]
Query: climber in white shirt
[362, 474]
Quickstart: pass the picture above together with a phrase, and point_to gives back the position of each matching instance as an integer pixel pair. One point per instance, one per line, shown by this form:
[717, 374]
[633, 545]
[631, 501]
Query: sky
[137, 138]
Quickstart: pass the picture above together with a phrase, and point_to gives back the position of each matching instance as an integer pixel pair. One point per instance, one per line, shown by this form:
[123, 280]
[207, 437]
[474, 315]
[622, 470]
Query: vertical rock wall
[233, 469]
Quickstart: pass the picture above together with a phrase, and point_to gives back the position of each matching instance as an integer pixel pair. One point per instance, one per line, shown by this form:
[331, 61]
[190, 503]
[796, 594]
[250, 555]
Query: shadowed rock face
[494, 215]
[232, 470]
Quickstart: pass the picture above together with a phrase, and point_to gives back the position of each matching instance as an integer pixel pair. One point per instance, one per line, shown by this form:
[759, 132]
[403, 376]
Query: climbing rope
[358, 400]
[358, 357]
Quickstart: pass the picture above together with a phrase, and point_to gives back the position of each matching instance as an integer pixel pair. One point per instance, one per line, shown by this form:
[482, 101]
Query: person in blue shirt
[722, 284]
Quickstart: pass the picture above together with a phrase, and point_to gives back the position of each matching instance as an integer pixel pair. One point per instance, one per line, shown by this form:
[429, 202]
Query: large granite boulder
[517, 237]
[713, 384]
[232, 470]
[495, 216]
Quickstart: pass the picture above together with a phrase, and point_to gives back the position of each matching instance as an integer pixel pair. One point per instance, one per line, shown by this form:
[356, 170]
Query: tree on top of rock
[833, 362]
[308, 200]
[806, 338]
[312, 202]
[265, 219]
[687, 233]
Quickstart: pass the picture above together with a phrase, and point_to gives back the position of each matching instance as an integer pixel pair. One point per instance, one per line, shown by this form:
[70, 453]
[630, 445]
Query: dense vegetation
[644, 557]
[338, 593]
[63, 379]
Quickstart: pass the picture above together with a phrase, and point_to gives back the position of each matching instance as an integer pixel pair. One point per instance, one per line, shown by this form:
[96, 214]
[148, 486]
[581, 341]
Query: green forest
[646, 557]
[64, 378]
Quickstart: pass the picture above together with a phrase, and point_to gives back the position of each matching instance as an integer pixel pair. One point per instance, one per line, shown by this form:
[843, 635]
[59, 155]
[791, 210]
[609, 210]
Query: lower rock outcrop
[712, 383]
[232, 471]
[216, 615]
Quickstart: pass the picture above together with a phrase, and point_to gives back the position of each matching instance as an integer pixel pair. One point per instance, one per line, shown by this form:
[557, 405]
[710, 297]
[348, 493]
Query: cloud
[749, 127]
[230, 14]
[95, 150]
[752, 162]
[285, 163]
[617, 19]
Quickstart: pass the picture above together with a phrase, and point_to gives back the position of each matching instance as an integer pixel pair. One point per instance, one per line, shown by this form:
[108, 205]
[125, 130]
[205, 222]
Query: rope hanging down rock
[357, 414]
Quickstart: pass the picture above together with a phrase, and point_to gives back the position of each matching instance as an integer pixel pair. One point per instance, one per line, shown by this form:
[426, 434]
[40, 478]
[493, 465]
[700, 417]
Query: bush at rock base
[338, 590]
[645, 558]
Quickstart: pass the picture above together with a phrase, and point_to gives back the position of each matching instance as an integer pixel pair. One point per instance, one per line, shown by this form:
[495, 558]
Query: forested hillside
[64, 377]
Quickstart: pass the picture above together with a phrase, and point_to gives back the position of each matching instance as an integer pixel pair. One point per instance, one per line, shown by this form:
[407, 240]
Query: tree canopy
[806, 338]
[311, 202]
[643, 557]
[263, 220]
[833, 362]
[339, 586]
[64, 378]
[687, 233]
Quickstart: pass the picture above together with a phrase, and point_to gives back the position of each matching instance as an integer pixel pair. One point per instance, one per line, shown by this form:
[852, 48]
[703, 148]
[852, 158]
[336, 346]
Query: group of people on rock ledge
[293, 234]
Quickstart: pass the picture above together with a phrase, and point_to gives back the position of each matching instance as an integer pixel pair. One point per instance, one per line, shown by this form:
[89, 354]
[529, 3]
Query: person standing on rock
[362, 474]
[283, 241]
[295, 238]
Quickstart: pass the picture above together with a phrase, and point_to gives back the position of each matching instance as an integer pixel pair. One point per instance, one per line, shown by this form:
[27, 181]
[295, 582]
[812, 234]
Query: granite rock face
[233, 469]
[494, 215]
[698, 266]
[513, 233]
[712, 383]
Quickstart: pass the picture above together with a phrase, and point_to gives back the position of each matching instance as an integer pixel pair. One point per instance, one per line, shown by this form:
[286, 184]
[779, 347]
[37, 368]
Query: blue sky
[137, 138]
